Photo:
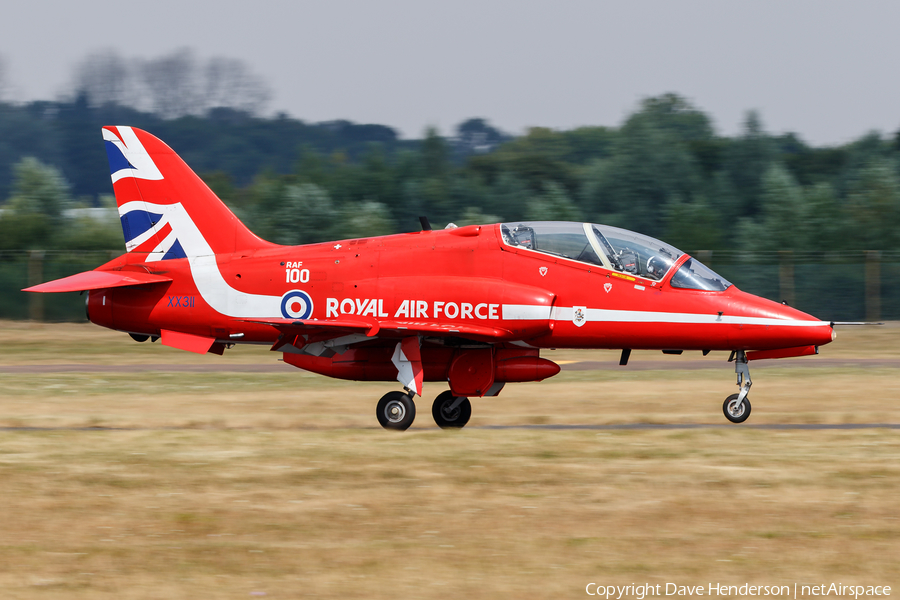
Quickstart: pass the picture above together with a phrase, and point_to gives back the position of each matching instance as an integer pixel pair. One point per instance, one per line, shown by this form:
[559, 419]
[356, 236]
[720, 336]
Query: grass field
[232, 484]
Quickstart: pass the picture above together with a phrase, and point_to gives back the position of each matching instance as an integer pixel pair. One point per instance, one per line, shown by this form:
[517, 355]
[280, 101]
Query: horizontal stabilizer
[98, 280]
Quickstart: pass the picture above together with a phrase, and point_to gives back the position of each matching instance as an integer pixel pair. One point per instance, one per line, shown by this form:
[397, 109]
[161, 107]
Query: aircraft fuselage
[464, 276]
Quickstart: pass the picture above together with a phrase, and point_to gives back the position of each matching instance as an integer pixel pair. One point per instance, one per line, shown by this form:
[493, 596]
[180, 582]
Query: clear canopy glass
[694, 275]
[559, 238]
[637, 254]
[613, 248]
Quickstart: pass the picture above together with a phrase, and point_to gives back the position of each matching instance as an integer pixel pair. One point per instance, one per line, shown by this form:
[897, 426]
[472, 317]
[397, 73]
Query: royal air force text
[411, 309]
[408, 309]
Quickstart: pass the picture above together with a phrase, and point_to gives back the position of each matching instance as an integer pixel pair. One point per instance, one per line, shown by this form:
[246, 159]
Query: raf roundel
[296, 304]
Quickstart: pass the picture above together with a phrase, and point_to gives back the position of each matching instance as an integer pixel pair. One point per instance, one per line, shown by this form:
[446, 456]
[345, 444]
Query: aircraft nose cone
[778, 325]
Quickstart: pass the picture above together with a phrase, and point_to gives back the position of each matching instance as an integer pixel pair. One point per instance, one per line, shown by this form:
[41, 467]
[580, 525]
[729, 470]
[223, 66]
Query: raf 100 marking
[294, 275]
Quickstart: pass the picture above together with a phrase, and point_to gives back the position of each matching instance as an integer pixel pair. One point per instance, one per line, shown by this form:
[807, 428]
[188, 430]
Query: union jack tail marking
[165, 208]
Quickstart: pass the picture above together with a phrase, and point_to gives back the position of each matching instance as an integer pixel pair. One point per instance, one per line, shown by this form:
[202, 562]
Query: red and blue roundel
[296, 304]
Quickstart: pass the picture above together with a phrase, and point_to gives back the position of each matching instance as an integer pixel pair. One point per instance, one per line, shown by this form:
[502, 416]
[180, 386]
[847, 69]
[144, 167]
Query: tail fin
[166, 209]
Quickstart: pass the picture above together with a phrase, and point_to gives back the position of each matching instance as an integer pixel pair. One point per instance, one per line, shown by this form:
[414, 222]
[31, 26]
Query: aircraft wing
[373, 327]
[97, 280]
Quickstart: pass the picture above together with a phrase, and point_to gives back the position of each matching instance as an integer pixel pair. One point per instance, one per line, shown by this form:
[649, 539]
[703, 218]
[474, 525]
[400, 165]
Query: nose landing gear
[737, 406]
[736, 412]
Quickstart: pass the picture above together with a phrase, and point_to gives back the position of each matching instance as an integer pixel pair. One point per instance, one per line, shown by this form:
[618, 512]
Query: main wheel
[451, 418]
[734, 413]
[396, 410]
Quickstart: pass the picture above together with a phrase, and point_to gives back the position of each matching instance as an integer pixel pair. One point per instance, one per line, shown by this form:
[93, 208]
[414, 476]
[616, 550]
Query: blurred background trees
[765, 210]
[4, 80]
[173, 85]
[664, 171]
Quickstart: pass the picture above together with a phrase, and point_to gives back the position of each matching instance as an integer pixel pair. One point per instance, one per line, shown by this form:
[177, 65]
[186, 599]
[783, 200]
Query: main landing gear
[397, 410]
[737, 406]
[451, 412]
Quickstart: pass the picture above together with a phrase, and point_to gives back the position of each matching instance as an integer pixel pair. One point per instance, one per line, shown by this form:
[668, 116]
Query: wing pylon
[291, 328]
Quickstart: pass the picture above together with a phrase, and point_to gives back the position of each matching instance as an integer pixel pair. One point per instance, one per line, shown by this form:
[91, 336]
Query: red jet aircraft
[472, 306]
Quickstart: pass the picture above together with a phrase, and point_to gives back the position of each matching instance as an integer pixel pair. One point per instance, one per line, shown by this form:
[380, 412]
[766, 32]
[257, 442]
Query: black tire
[736, 417]
[396, 410]
[139, 337]
[455, 419]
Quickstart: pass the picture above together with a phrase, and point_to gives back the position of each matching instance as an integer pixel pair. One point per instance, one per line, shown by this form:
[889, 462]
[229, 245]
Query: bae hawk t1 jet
[471, 306]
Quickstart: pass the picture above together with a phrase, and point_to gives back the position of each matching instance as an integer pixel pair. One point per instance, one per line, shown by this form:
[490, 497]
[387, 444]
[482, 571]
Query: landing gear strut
[451, 411]
[737, 406]
[396, 410]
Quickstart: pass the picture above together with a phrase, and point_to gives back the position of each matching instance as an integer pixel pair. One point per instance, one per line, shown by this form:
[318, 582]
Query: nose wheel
[736, 412]
[396, 410]
[737, 406]
[451, 412]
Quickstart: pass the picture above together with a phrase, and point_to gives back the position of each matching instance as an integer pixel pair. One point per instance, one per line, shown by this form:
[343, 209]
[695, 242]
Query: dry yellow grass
[475, 514]
[283, 485]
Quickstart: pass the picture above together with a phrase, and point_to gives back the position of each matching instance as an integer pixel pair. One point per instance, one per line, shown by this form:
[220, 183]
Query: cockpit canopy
[612, 248]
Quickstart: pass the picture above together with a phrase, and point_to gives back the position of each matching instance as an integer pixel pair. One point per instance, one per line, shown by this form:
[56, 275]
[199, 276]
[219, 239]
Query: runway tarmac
[634, 365]
[560, 426]
[667, 364]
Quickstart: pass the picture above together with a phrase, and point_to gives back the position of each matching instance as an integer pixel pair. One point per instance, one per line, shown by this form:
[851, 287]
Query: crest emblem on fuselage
[607, 287]
[579, 315]
[543, 271]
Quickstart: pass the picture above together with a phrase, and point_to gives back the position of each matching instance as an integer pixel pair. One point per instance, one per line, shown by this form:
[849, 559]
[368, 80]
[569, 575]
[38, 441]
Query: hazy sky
[823, 68]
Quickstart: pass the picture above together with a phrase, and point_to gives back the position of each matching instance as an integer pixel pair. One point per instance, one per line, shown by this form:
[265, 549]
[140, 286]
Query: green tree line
[664, 172]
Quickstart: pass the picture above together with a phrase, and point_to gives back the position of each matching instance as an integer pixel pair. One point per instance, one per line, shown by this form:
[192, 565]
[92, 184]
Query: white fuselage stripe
[525, 312]
[566, 313]
[210, 283]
